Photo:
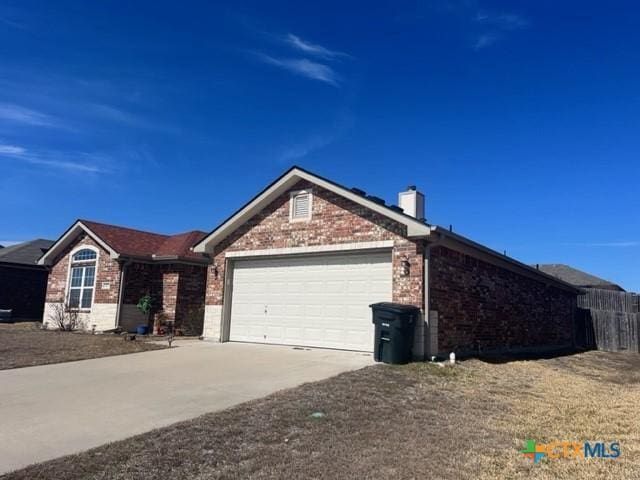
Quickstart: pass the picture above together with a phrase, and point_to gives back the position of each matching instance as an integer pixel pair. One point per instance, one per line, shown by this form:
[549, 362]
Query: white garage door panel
[320, 301]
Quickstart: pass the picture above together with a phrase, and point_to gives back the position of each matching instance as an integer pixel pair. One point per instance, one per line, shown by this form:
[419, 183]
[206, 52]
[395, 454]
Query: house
[301, 262]
[578, 277]
[103, 271]
[23, 282]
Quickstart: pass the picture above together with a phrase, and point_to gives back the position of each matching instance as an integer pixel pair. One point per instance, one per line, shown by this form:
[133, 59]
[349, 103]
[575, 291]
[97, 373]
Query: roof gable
[130, 243]
[287, 181]
[127, 241]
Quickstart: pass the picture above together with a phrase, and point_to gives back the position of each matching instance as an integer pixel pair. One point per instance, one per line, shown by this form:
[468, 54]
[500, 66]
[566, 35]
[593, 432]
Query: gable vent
[300, 205]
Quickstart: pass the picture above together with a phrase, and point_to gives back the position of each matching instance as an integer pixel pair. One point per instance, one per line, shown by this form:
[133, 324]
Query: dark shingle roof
[26, 253]
[578, 277]
[138, 243]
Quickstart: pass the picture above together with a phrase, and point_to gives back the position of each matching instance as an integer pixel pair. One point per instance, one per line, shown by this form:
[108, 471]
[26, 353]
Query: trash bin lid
[394, 307]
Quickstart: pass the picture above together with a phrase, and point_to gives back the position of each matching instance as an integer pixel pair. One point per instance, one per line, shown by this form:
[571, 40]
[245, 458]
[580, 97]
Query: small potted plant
[144, 305]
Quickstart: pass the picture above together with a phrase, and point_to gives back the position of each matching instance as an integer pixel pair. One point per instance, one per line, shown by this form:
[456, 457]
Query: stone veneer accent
[482, 307]
[212, 322]
[102, 315]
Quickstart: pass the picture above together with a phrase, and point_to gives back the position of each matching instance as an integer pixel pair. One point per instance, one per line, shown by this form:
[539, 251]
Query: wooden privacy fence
[608, 320]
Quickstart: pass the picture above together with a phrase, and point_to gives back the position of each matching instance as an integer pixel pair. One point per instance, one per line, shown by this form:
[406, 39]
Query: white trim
[338, 247]
[79, 248]
[309, 193]
[415, 228]
[68, 237]
[82, 263]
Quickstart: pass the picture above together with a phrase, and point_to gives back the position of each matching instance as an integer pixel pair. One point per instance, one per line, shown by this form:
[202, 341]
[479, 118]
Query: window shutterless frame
[81, 286]
[82, 278]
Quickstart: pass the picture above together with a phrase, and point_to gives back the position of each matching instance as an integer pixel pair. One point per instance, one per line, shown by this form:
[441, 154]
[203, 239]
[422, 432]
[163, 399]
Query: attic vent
[300, 205]
[358, 191]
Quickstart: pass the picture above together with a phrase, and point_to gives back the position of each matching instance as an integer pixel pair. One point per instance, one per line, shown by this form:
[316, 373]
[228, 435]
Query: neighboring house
[104, 270]
[607, 316]
[23, 282]
[578, 277]
[303, 260]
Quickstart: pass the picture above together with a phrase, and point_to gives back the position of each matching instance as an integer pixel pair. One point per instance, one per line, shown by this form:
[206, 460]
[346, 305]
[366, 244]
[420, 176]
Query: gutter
[181, 259]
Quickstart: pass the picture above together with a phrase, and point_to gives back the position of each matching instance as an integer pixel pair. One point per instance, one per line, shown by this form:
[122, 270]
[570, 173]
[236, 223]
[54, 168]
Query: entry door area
[314, 301]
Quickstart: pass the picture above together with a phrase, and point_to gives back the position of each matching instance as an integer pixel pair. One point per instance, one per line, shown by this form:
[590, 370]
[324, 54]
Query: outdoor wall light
[405, 266]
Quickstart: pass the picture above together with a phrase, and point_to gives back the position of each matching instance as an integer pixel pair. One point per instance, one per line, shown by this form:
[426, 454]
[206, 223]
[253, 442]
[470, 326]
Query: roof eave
[505, 259]
[180, 259]
[68, 236]
[415, 228]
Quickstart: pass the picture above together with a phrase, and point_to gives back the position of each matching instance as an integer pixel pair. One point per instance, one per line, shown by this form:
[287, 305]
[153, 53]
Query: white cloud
[485, 40]
[496, 26]
[303, 67]
[611, 244]
[504, 21]
[310, 48]
[18, 114]
[71, 162]
[12, 17]
[301, 150]
[11, 150]
[117, 115]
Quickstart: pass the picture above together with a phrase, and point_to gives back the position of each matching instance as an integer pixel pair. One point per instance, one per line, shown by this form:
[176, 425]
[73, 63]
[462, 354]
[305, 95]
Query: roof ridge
[16, 247]
[187, 232]
[125, 228]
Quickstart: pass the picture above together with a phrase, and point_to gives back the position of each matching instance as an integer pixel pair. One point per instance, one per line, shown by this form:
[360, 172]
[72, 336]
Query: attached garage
[314, 301]
[301, 262]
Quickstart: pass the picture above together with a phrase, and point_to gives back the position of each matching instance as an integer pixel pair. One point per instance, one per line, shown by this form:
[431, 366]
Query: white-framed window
[82, 278]
[300, 205]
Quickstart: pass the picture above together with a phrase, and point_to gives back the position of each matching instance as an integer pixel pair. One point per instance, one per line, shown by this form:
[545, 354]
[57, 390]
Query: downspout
[431, 347]
[123, 267]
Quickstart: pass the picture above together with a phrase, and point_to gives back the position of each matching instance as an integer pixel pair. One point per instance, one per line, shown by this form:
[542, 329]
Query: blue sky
[519, 120]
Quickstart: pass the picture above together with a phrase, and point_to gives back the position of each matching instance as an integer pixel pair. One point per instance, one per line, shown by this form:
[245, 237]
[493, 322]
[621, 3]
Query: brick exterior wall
[482, 307]
[22, 290]
[104, 307]
[177, 290]
[108, 270]
[190, 305]
[334, 220]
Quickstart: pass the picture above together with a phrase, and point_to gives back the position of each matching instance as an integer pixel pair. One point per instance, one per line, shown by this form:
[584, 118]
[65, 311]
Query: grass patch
[26, 345]
[413, 421]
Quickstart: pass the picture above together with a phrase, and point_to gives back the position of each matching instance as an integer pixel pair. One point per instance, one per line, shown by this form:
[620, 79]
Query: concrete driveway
[54, 410]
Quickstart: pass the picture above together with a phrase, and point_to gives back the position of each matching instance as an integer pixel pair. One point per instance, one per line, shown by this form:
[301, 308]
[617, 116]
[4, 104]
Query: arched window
[82, 278]
[84, 255]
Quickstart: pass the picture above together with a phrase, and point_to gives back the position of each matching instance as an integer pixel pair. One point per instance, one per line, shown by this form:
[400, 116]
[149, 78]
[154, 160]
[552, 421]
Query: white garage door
[316, 301]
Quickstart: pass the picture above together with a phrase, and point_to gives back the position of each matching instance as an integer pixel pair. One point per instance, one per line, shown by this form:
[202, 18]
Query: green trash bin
[394, 326]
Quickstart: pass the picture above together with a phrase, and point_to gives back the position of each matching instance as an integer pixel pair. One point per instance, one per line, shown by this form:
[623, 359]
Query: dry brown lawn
[26, 345]
[416, 421]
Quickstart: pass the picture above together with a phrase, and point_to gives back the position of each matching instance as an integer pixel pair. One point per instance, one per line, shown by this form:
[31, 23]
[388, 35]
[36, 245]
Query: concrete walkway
[54, 410]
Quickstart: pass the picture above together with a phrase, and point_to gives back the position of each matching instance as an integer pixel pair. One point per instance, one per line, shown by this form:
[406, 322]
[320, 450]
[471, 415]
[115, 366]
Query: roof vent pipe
[412, 202]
